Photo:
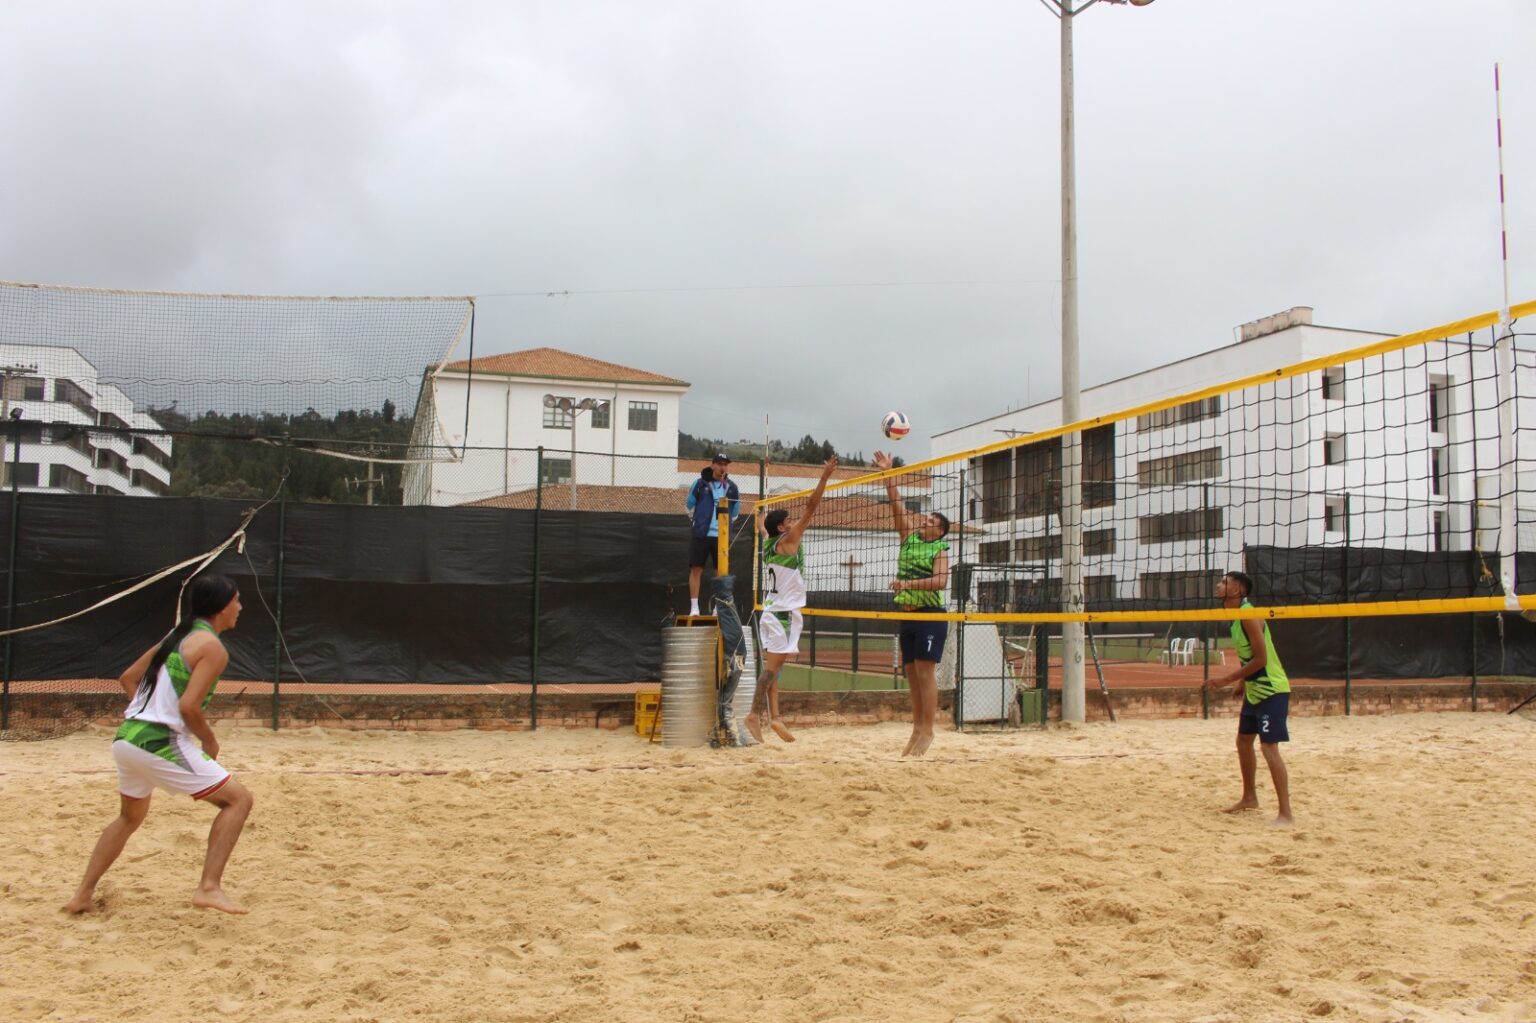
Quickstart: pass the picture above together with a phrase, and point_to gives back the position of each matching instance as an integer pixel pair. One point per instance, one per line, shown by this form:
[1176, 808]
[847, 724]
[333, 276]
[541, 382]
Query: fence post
[14, 427]
[538, 529]
[1473, 618]
[855, 662]
[1348, 637]
[277, 640]
[1205, 627]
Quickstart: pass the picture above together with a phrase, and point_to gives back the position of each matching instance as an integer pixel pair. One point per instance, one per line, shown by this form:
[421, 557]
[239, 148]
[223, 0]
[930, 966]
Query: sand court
[1080, 873]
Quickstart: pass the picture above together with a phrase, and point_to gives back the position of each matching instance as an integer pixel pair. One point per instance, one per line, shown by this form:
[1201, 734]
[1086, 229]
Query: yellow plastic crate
[647, 713]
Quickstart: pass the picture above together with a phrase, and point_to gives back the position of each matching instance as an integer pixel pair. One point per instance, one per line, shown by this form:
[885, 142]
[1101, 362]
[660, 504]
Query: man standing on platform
[713, 486]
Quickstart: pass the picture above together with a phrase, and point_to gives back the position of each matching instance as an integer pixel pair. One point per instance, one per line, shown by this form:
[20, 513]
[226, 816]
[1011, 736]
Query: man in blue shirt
[713, 486]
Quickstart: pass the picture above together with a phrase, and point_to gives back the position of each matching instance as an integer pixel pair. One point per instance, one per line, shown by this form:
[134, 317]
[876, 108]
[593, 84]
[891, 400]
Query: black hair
[707, 472]
[773, 522]
[943, 521]
[205, 597]
[1241, 578]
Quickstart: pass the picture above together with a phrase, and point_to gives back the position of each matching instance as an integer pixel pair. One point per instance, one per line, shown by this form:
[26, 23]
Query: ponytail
[206, 597]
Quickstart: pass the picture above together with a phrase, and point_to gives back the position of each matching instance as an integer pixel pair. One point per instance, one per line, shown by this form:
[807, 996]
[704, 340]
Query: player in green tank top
[922, 573]
[168, 687]
[1260, 682]
[778, 629]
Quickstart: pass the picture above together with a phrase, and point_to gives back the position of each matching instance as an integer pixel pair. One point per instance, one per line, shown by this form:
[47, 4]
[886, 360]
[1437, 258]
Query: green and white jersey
[786, 581]
[152, 716]
[916, 562]
[1273, 678]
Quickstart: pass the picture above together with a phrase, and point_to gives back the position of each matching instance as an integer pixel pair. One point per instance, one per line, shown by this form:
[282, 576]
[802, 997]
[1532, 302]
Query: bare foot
[1241, 805]
[907, 750]
[781, 731]
[216, 899]
[920, 744]
[755, 727]
[81, 903]
[1283, 821]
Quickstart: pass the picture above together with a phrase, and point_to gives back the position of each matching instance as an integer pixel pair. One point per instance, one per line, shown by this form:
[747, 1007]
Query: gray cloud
[666, 162]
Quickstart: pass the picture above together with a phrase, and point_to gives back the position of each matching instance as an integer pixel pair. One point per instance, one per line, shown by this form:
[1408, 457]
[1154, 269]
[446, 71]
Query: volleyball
[895, 425]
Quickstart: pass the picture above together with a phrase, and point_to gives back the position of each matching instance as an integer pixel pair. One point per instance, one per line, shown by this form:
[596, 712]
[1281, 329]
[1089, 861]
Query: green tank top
[1272, 679]
[916, 562]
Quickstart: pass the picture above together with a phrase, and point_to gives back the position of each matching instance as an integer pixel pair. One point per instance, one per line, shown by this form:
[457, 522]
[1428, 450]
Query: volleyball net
[338, 375]
[1397, 477]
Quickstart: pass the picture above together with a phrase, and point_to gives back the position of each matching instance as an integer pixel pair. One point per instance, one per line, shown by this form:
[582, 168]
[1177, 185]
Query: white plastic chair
[1170, 656]
[1187, 654]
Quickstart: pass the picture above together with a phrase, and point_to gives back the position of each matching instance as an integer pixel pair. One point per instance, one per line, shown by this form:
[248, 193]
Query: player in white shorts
[168, 688]
[778, 627]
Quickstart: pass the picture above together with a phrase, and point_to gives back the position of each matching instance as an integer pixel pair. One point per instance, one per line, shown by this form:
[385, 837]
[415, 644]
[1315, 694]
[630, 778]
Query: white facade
[60, 397]
[635, 444]
[1392, 451]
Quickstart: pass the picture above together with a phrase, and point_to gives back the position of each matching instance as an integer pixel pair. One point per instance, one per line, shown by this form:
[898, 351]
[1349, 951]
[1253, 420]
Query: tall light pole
[1074, 693]
[575, 408]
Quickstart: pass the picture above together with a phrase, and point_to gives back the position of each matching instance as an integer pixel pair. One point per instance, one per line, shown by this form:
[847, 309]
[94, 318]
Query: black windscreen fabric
[369, 594]
[1396, 647]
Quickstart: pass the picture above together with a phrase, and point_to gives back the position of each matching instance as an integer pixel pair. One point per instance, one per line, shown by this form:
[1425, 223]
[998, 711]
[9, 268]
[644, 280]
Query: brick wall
[513, 712]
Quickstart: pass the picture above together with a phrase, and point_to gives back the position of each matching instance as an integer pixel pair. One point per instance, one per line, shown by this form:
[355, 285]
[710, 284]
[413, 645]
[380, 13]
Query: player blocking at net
[778, 628]
[922, 573]
[168, 688]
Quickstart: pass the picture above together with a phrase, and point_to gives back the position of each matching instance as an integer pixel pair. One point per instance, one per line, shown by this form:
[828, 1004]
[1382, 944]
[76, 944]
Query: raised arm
[898, 510]
[798, 526]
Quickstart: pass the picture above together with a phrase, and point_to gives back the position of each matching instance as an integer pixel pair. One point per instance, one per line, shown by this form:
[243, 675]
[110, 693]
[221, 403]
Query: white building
[1392, 451]
[628, 439]
[60, 398]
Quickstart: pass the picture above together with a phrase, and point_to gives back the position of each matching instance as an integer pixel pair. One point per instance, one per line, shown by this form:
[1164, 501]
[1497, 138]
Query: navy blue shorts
[922, 641]
[1266, 719]
[703, 550]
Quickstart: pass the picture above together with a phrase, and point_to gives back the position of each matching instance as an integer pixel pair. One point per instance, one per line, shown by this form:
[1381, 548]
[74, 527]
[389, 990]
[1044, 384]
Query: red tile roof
[553, 363]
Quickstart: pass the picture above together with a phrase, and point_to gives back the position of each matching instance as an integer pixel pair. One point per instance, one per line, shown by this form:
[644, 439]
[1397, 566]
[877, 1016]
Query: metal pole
[1074, 700]
[277, 640]
[10, 574]
[1205, 627]
[1473, 617]
[1348, 653]
[538, 524]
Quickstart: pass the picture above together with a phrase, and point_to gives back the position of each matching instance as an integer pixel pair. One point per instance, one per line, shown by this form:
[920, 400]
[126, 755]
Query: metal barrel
[687, 685]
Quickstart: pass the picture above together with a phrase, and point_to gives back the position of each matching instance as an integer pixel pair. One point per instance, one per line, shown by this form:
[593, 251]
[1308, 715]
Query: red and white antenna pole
[1505, 345]
[1498, 106]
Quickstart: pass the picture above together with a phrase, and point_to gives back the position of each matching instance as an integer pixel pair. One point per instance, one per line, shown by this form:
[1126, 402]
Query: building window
[114, 422]
[72, 393]
[1334, 452]
[1334, 512]
[996, 485]
[74, 438]
[1037, 477]
[1200, 524]
[144, 481]
[556, 470]
[1189, 412]
[601, 417]
[147, 450]
[65, 478]
[558, 418]
[1186, 467]
[111, 461]
[1099, 466]
[1439, 406]
[1434, 471]
[1179, 585]
[1438, 540]
[995, 553]
[1333, 383]
[1096, 543]
[642, 416]
[102, 488]
[18, 388]
[25, 473]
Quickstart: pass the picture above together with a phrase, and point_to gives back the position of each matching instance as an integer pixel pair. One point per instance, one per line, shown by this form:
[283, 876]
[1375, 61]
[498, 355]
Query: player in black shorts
[922, 572]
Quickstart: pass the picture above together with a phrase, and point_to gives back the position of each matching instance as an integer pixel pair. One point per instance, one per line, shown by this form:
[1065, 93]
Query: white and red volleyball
[895, 425]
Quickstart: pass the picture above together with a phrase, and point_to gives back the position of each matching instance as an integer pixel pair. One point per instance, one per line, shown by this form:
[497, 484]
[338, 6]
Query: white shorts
[192, 773]
[773, 635]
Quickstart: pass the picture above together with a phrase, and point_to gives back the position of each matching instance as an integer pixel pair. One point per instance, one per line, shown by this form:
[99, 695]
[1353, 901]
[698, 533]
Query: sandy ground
[1080, 873]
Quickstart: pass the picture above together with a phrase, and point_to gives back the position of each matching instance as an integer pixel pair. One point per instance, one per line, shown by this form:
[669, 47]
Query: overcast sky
[813, 211]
